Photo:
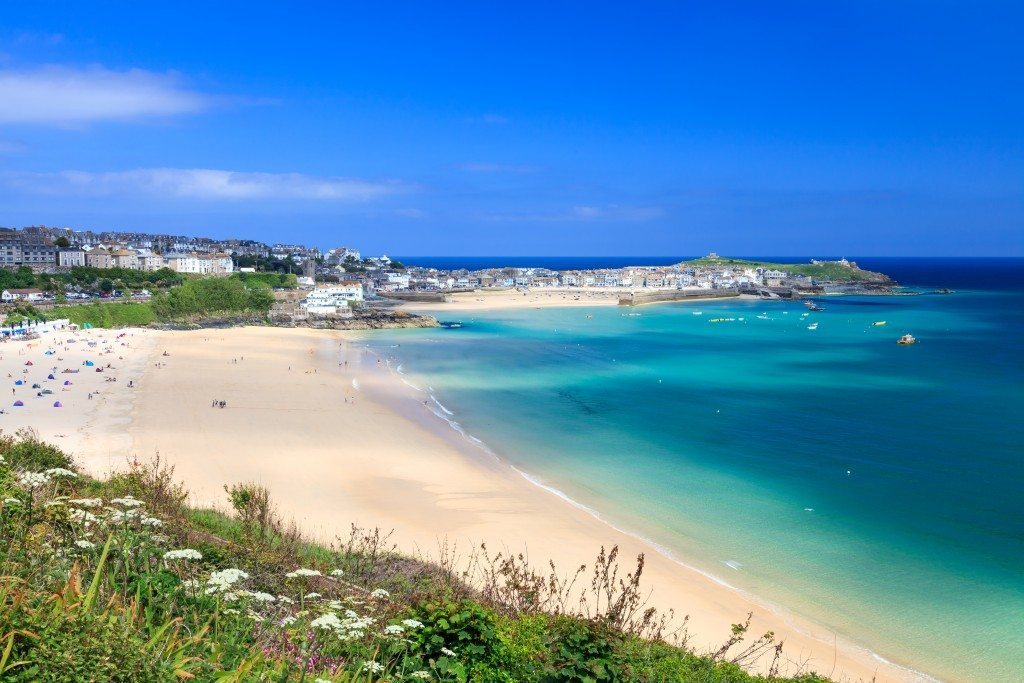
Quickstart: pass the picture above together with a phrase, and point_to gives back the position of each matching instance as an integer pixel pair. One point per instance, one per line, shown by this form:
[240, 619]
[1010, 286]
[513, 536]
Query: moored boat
[906, 340]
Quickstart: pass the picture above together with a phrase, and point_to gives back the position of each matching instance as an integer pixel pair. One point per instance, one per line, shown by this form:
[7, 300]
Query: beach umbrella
[19, 403]
[58, 404]
[67, 382]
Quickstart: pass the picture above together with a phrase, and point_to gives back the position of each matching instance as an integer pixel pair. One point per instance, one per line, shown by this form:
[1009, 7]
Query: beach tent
[89, 364]
[18, 382]
[50, 376]
[28, 362]
[86, 326]
[36, 386]
[67, 382]
[19, 403]
[58, 404]
[48, 353]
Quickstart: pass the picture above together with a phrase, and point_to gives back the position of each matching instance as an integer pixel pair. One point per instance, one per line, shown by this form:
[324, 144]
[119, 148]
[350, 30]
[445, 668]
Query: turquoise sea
[875, 488]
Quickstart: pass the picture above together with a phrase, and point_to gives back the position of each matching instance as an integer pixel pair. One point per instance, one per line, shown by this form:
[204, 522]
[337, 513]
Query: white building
[9, 295]
[69, 258]
[328, 300]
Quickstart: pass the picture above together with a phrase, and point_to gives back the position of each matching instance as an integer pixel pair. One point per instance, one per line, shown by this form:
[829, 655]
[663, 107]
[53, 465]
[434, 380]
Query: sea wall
[640, 298]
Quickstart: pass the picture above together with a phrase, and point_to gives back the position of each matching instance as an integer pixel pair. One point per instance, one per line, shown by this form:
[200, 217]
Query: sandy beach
[339, 439]
[492, 299]
[553, 297]
[92, 374]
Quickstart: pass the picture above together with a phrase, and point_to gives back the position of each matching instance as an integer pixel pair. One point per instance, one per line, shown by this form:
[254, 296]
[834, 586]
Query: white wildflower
[191, 584]
[422, 675]
[394, 630]
[85, 545]
[84, 517]
[118, 516]
[231, 610]
[412, 623]
[127, 501]
[223, 580]
[151, 521]
[329, 620]
[373, 667]
[54, 504]
[321, 680]
[12, 501]
[258, 596]
[33, 480]
[285, 600]
[380, 593]
[349, 614]
[2, 460]
[287, 621]
[303, 572]
[337, 573]
[312, 596]
[446, 651]
[86, 502]
[56, 472]
[183, 554]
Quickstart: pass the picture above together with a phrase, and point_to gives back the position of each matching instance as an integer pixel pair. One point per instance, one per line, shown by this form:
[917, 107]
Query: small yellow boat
[878, 323]
[906, 339]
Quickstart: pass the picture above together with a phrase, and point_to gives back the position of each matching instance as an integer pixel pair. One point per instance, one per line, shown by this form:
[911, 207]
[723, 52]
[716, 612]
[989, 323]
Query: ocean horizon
[830, 472]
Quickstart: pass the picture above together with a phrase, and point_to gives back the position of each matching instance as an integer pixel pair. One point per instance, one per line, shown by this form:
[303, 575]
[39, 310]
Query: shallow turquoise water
[872, 487]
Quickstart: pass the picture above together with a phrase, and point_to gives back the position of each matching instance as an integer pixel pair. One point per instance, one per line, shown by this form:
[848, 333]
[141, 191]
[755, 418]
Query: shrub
[27, 452]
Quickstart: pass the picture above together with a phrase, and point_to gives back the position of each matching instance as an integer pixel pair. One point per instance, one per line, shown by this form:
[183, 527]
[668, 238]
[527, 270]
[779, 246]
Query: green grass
[89, 593]
[196, 299]
[107, 315]
[832, 271]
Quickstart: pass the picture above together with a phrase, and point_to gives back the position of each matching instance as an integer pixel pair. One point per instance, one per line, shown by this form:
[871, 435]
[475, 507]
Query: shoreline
[421, 476]
[793, 621]
[404, 469]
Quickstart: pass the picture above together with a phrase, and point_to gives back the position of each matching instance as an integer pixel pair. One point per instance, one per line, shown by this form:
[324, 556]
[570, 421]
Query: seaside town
[331, 282]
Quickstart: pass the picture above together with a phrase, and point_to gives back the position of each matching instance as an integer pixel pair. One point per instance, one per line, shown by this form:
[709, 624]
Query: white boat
[812, 326]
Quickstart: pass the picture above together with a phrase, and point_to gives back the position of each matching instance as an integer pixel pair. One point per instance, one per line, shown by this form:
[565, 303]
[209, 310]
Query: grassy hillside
[122, 581]
[195, 299]
[820, 271]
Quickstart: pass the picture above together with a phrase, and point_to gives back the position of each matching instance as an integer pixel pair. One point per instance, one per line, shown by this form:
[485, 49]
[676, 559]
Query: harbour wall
[640, 298]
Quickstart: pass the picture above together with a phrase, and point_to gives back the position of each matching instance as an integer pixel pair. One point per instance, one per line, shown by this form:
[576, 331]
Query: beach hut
[67, 382]
[58, 404]
[18, 404]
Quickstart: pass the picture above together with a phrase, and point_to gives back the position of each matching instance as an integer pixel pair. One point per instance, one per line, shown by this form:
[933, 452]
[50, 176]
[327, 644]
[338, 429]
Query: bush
[27, 452]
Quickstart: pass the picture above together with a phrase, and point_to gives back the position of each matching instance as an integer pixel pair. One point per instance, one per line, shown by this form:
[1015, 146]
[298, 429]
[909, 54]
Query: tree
[62, 242]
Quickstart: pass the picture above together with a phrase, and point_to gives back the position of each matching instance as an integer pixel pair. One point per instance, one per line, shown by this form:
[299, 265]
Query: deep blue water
[876, 488]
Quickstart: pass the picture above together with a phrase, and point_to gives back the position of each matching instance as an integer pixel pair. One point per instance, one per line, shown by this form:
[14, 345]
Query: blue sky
[868, 128]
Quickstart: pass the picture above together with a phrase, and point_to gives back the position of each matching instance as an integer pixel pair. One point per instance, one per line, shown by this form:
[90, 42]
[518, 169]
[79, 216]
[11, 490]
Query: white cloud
[199, 183]
[56, 95]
